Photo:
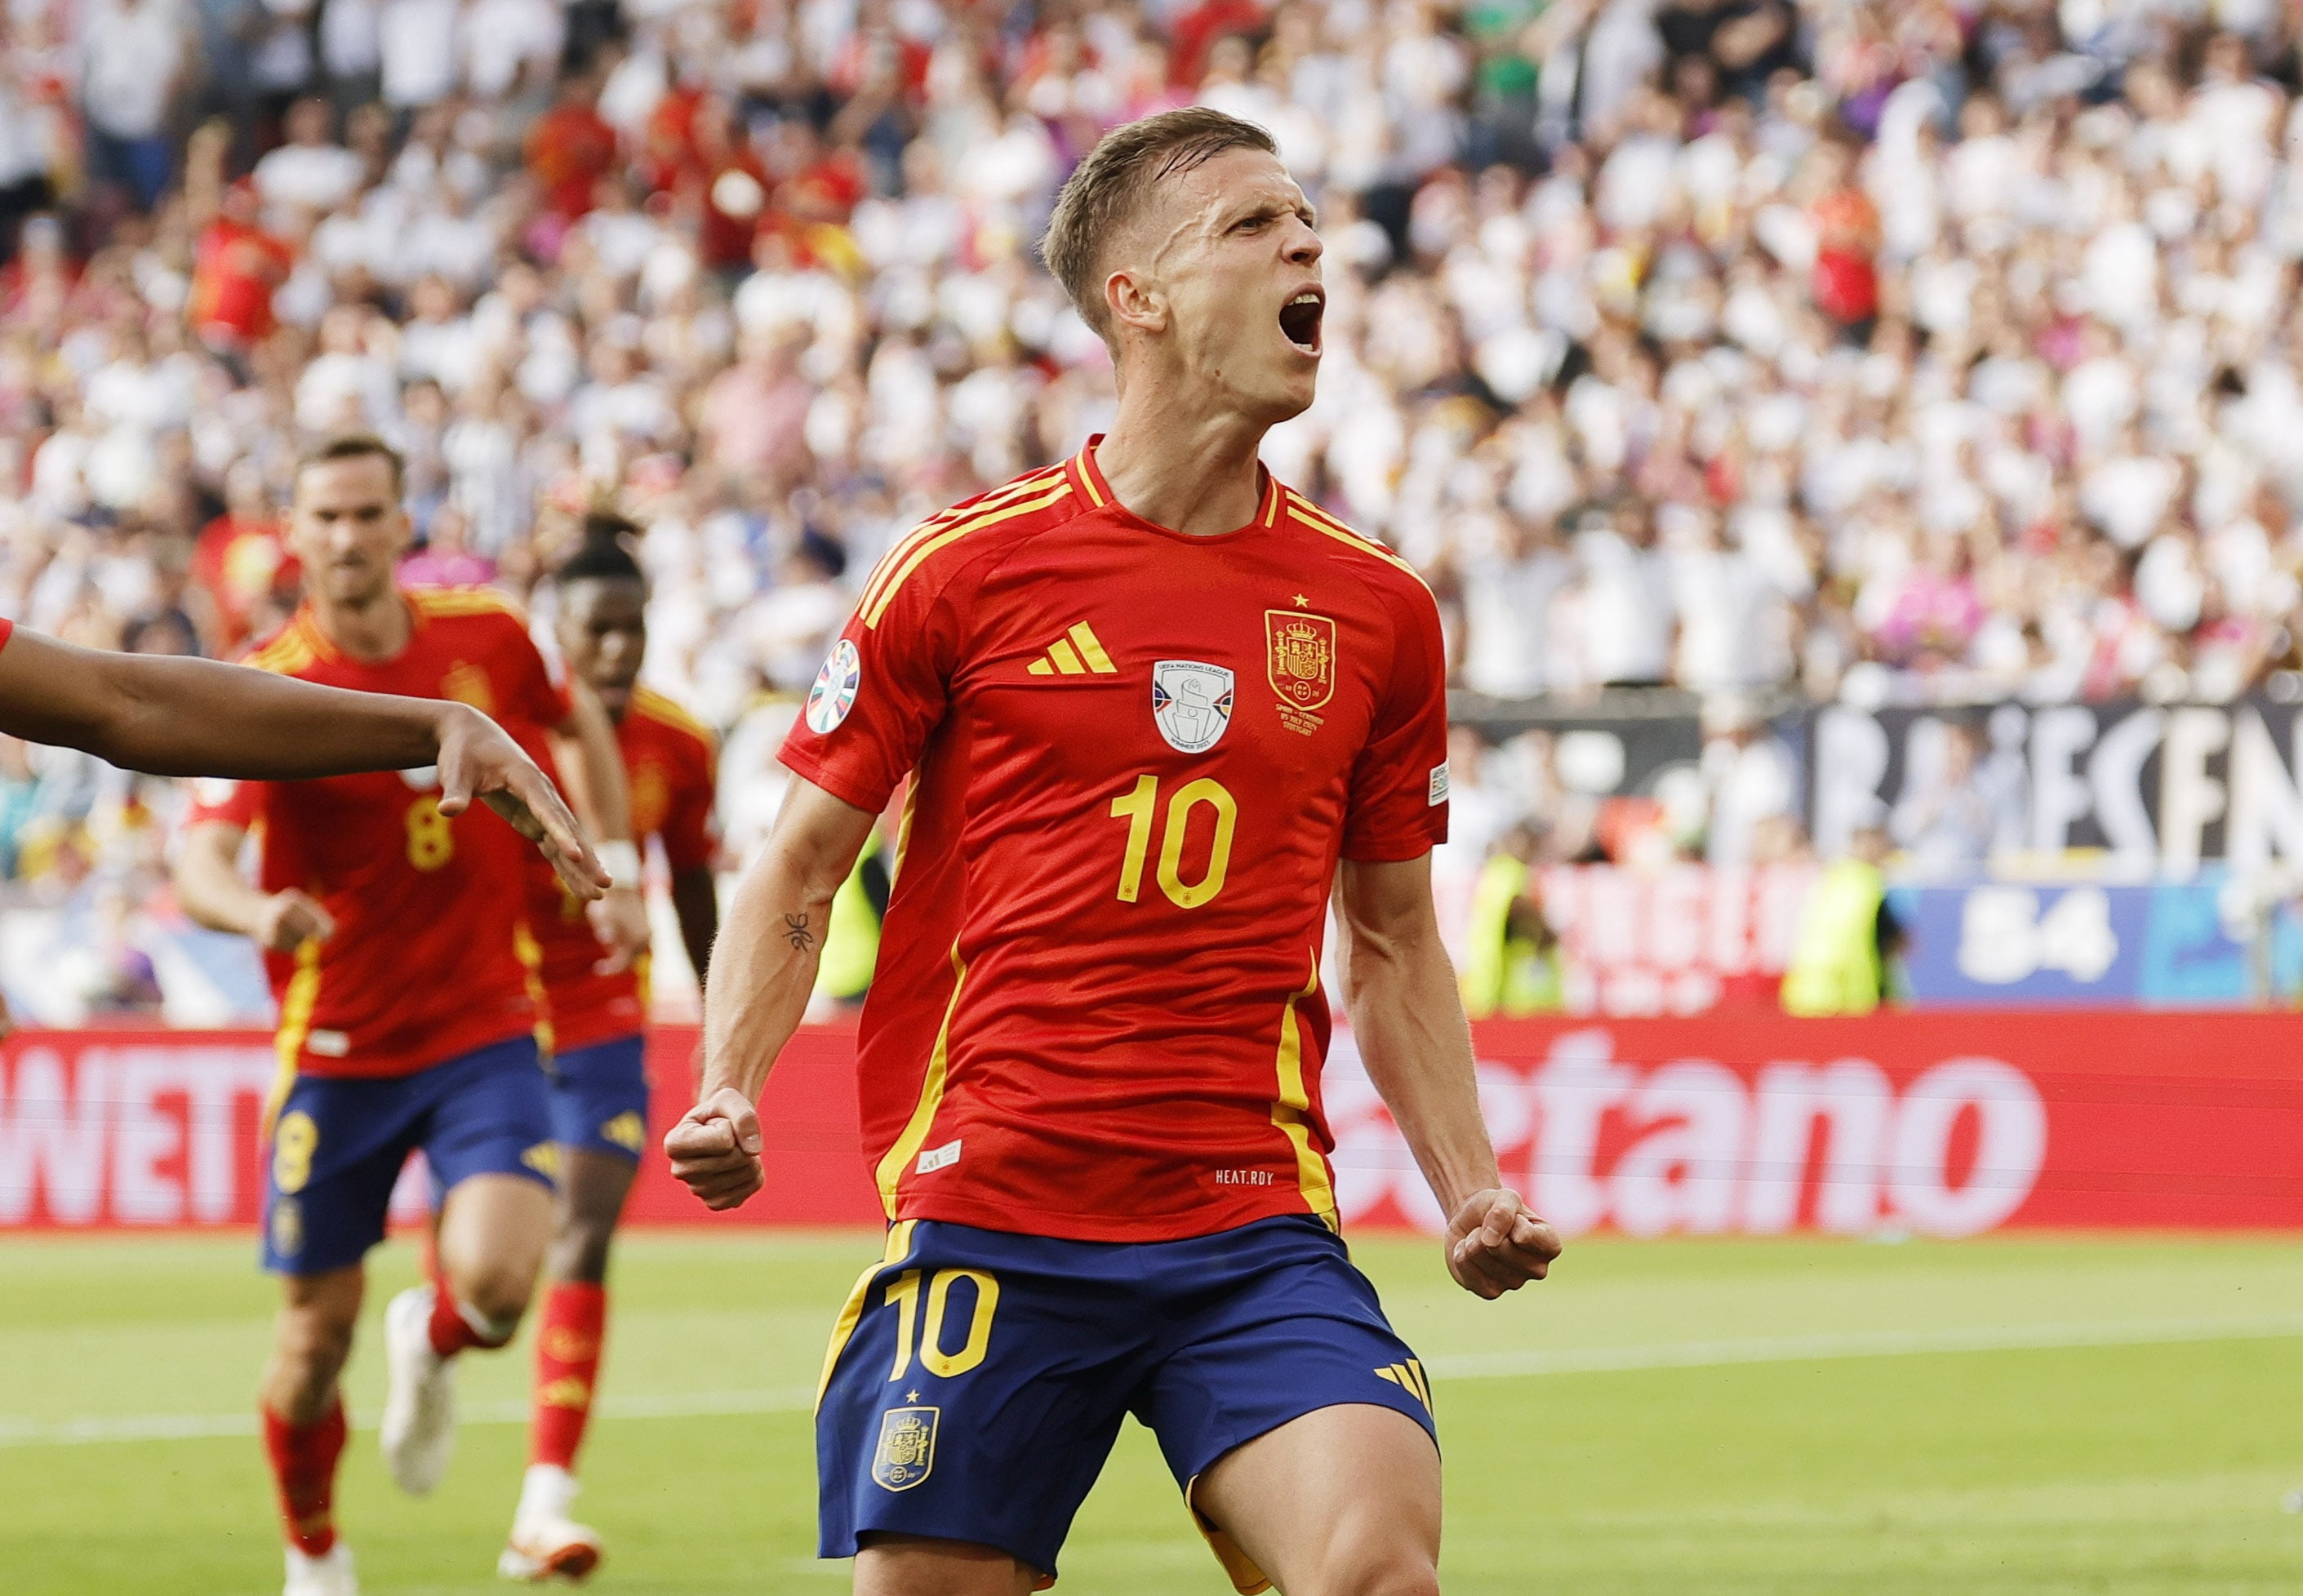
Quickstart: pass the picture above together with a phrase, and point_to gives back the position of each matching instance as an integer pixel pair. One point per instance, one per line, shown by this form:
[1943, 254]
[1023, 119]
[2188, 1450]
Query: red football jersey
[6, 627]
[431, 958]
[1097, 1012]
[672, 760]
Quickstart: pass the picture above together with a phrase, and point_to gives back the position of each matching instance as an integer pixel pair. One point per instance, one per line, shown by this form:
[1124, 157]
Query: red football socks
[453, 1327]
[566, 1368]
[304, 1464]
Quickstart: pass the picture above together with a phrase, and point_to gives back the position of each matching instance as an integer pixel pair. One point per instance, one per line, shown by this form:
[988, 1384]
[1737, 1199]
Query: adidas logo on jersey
[1077, 652]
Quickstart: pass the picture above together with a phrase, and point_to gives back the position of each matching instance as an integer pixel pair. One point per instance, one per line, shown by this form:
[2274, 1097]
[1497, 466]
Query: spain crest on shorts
[906, 1451]
[1191, 704]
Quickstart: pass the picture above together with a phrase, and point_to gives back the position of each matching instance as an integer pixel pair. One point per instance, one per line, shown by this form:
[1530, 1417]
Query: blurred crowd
[1935, 350]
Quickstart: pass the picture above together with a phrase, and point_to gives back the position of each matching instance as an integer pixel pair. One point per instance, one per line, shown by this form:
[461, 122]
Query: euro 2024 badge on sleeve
[1300, 664]
[834, 692]
[906, 1452]
[1191, 704]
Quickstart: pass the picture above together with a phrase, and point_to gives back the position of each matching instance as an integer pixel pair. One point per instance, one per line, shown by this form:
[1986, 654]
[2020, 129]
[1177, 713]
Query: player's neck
[1190, 472]
[370, 630]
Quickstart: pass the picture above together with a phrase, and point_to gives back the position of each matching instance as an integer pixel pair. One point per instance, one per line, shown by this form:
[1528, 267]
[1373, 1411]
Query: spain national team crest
[907, 1454]
[1191, 704]
[1301, 663]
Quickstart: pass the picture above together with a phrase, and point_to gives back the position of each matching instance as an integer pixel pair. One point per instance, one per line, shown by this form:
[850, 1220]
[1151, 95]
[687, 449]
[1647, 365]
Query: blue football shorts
[600, 1097]
[977, 1379]
[337, 1144]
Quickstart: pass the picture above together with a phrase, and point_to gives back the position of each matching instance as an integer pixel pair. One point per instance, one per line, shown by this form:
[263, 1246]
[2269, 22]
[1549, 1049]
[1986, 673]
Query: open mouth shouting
[1299, 319]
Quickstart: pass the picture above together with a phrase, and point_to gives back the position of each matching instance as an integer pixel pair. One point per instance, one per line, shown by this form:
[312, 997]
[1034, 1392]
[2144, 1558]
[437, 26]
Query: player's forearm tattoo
[797, 934]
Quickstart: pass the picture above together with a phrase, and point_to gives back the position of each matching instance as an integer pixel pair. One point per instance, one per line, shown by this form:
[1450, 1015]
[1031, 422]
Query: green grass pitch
[2116, 1415]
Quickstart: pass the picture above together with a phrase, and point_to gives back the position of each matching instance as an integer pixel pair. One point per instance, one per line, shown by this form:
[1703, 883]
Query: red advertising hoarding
[1935, 1124]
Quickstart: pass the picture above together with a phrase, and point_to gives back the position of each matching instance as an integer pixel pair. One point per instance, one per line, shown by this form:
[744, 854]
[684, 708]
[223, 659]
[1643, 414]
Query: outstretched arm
[184, 717]
[762, 969]
[1407, 1015]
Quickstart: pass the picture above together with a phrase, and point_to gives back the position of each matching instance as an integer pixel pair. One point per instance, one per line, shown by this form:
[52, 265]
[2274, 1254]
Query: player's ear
[1132, 301]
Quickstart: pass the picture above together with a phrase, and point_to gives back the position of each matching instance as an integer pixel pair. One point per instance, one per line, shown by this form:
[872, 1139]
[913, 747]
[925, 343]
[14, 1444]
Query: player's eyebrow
[1274, 207]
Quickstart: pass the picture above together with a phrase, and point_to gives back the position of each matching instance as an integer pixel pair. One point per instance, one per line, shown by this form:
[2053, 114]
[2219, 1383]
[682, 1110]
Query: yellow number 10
[1136, 807]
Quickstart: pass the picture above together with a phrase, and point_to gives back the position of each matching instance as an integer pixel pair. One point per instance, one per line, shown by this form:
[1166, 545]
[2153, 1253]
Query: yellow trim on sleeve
[902, 547]
[875, 608]
[906, 1146]
[653, 706]
[1320, 520]
[1292, 1113]
[465, 601]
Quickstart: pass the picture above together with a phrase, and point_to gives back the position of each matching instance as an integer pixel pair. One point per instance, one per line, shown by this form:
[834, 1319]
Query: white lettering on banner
[1682, 1174]
[52, 1139]
[1636, 942]
[2012, 1145]
[2190, 800]
[1853, 1100]
[2265, 805]
[1687, 1148]
[131, 1135]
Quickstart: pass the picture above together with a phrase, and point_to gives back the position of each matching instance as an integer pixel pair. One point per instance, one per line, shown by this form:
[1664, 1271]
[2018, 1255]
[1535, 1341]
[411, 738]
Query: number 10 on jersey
[1138, 804]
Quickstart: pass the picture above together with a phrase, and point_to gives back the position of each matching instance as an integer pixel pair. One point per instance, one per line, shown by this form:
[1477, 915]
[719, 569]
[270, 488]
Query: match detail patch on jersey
[834, 692]
[1191, 704]
[906, 1451]
[1077, 652]
[938, 1158]
[1439, 784]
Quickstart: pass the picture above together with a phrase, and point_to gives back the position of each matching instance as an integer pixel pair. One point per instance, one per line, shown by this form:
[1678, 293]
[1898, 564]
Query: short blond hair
[1105, 190]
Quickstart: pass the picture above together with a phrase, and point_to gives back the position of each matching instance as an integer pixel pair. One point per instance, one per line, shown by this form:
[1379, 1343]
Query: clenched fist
[715, 1149]
[1496, 1244]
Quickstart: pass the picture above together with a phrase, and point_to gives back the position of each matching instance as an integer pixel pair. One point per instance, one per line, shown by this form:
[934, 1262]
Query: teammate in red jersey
[180, 717]
[395, 938]
[599, 1080]
[1158, 709]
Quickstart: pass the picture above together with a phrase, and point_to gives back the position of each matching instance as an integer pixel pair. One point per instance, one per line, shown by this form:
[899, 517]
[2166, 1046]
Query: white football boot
[547, 1543]
[331, 1575]
[418, 1431]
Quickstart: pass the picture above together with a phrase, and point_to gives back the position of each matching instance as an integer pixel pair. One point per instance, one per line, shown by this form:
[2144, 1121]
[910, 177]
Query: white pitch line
[1475, 1365]
[1858, 1344]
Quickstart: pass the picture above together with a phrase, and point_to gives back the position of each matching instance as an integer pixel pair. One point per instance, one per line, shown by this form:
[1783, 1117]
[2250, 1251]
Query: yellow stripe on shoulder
[285, 656]
[655, 706]
[923, 552]
[466, 601]
[893, 560]
[1319, 520]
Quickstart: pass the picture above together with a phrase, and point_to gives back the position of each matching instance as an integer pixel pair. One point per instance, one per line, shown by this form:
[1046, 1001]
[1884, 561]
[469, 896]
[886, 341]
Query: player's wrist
[621, 861]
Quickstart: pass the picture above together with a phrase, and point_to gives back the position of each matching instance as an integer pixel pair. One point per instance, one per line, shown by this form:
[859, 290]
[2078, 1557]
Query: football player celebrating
[395, 937]
[1161, 710]
[599, 1078]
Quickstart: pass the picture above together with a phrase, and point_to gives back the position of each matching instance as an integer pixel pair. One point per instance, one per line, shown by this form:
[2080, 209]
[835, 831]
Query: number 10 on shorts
[904, 1295]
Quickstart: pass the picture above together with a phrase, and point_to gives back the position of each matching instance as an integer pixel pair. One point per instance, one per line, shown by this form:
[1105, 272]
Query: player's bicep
[818, 835]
